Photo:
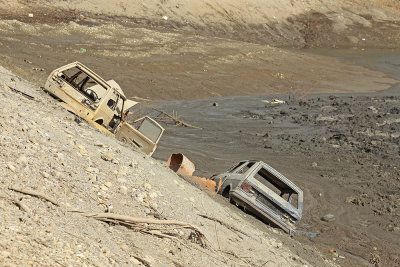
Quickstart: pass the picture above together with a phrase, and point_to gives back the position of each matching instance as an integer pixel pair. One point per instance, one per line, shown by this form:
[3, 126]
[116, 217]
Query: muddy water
[223, 123]
[342, 150]
[384, 60]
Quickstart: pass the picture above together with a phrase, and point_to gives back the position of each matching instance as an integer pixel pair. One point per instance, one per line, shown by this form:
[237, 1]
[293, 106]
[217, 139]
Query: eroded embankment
[290, 23]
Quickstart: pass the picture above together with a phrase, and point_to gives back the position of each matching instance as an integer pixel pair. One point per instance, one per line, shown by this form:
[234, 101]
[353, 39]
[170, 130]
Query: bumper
[259, 209]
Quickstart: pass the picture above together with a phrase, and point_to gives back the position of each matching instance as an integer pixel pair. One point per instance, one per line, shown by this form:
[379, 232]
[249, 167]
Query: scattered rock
[147, 210]
[93, 178]
[314, 164]
[104, 188]
[373, 109]
[107, 156]
[147, 186]
[121, 180]
[134, 261]
[92, 170]
[123, 189]
[45, 174]
[82, 149]
[328, 218]
[11, 166]
[153, 195]
[22, 159]
[5, 254]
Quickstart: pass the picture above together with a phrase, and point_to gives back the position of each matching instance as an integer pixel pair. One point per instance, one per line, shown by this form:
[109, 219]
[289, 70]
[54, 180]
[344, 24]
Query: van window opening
[84, 83]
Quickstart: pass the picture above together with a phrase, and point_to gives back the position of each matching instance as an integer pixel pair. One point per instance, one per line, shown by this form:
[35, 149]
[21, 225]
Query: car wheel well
[225, 193]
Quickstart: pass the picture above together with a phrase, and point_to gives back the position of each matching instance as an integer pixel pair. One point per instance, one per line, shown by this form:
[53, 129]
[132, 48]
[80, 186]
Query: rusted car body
[260, 189]
[102, 103]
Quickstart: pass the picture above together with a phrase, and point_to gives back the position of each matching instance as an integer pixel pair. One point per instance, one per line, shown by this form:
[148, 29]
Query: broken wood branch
[35, 194]
[22, 93]
[177, 121]
[118, 218]
[143, 261]
[159, 234]
[128, 220]
[232, 253]
[21, 206]
[16, 202]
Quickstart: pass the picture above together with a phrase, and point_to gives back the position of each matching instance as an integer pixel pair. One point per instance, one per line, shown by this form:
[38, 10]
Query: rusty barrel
[180, 164]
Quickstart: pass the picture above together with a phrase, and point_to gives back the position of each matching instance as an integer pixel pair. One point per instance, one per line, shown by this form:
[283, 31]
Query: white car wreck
[260, 189]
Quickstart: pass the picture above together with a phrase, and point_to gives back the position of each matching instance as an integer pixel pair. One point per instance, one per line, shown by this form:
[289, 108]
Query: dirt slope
[277, 22]
[44, 149]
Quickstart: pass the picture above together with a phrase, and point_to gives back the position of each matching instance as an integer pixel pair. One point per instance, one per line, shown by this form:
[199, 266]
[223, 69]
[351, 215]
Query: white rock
[22, 159]
[134, 261]
[123, 189]
[153, 195]
[45, 174]
[82, 149]
[147, 186]
[107, 156]
[92, 170]
[93, 178]
[104, 188]
[11, 166]
[121, 180]
[5, 254]
[314, 164]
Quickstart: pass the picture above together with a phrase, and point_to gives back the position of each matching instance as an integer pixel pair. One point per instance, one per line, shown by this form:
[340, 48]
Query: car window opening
[277, 186]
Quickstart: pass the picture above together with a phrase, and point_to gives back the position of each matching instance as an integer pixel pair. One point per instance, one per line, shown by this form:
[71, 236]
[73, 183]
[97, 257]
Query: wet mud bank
[342, 150]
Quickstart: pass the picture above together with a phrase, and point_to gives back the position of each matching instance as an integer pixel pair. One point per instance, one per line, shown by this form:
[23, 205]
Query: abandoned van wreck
[257, 187]
[103, 104]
